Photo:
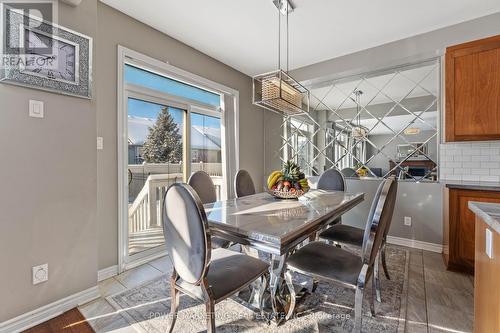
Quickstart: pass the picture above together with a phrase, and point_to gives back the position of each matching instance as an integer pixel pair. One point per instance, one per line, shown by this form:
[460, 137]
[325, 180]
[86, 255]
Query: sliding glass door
[206, 147]
[168, 129]
[156, 160]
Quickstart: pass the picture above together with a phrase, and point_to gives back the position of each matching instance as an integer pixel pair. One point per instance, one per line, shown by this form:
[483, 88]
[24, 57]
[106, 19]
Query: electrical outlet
[40, 273]
[408, 221]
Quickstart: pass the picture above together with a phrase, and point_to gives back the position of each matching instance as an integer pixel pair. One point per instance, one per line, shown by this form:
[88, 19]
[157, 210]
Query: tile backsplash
[470, 161]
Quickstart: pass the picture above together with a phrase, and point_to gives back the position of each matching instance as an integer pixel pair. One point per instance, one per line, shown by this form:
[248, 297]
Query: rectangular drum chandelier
[278, 91]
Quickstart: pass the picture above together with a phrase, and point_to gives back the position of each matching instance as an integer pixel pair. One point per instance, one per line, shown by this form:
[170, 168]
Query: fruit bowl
[286, 195]
[287, 183]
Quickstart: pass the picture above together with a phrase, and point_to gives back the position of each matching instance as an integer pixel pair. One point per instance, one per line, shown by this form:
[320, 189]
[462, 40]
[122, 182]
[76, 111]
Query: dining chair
[322, 261]
[349, 173]
[332, 180]
[354, 236]
[207, 275]
[243, 184]
[202, 183]
[346, 234]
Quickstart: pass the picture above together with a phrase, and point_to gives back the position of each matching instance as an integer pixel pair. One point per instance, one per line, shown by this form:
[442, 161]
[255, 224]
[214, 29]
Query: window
[147, 79]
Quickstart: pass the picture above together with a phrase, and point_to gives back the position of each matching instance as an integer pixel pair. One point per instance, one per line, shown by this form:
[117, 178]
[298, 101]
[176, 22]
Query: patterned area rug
[329, 309]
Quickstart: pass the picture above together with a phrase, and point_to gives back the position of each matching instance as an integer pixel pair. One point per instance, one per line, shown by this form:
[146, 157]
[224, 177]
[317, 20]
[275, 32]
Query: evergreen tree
[164, 142]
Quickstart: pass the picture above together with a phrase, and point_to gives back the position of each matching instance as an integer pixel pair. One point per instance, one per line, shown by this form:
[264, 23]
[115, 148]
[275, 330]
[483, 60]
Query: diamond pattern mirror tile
[378, 124]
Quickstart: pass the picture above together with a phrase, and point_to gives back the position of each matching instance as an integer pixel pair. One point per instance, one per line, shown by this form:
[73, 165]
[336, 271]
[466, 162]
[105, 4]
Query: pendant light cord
[287, 39]
[279, 39]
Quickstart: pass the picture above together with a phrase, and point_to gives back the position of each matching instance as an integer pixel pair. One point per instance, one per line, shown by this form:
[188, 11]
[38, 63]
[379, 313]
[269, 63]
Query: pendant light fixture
[358, 131]
[278, 91]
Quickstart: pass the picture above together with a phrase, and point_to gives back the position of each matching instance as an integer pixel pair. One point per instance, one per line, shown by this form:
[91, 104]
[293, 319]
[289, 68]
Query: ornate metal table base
[281, 297]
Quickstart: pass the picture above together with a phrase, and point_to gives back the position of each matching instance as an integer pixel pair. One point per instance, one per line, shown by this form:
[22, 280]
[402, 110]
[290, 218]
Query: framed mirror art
[43, 55]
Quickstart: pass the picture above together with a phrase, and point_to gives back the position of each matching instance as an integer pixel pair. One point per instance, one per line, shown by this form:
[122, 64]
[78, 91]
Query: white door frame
[128, 56]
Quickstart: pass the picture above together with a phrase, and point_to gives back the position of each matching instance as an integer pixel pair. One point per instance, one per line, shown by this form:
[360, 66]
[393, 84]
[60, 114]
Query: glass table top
[263, 218]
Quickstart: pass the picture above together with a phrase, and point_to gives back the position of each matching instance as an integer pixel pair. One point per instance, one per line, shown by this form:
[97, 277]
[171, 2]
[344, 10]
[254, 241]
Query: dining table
[274, 227]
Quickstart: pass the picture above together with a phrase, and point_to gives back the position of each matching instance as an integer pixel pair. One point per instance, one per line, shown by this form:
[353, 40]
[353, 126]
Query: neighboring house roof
[205, 138]
[138, 129]
[201, 137]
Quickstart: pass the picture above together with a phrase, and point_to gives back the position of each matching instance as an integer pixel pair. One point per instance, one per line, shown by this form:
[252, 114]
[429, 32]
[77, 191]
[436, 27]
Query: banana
[273, 178]
[304, 185]
[270, 177]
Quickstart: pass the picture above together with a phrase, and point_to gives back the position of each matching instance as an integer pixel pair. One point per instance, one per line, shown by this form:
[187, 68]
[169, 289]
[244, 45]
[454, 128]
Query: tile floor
[438, 300]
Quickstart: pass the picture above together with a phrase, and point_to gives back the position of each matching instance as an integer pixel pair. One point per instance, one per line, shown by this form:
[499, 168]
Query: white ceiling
[243, 34]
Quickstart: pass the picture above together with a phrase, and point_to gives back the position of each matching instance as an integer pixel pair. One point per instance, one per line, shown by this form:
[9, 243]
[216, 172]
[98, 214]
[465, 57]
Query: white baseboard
[416, 244]
[107, 273]
[49, 311]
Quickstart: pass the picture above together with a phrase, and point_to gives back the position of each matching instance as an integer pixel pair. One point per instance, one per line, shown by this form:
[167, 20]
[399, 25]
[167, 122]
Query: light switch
[489, 243]
[100, 143]
[36, 109]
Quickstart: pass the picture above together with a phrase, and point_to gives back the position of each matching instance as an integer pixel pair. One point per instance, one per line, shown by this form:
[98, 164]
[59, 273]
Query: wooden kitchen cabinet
[460, 242]
[473, 91]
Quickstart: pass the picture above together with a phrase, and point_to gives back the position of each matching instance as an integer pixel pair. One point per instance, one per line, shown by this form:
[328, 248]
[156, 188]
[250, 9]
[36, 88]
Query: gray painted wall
[116, 28]
[47, 197]
[420, 201]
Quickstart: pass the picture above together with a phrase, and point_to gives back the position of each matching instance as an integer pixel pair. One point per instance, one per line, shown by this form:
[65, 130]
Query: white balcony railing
[144, 212]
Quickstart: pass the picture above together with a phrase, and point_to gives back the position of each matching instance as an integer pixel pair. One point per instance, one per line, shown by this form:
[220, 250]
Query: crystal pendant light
[278, 91]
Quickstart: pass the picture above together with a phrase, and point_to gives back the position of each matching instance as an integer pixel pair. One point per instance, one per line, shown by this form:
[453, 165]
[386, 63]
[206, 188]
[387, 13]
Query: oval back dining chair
[202, 183]
[349, 173]
[331, 180]
[346, 234]
[243, 184]
[207, 275]
[322, 261]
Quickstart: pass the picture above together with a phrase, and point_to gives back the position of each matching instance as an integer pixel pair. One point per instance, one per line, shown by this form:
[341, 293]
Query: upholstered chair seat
[228, 271]
[344, 234]
[318, 260]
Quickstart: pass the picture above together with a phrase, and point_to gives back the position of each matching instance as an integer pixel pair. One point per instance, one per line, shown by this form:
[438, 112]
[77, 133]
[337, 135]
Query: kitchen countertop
[472, 185]
[488, 212]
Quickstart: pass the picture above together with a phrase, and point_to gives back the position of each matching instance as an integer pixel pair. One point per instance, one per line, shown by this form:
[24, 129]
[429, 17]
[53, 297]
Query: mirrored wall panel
[371, 125]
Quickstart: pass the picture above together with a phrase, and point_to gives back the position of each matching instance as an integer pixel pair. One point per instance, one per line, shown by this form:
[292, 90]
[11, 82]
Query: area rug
[329, 309]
